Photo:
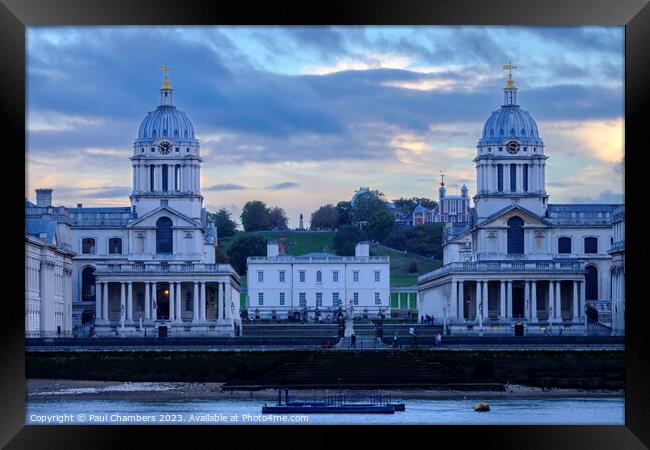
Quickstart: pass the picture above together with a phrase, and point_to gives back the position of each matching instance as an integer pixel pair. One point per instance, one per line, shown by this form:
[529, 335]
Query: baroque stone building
[522, 265]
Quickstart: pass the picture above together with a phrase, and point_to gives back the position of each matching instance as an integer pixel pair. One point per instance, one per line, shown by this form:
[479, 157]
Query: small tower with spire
[166, 88]
[510, 91]
[442, 191]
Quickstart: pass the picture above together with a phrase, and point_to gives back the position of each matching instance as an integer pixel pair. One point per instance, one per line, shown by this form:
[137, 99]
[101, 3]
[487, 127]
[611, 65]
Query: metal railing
[318, 259]
[505, 266]
[180, 267]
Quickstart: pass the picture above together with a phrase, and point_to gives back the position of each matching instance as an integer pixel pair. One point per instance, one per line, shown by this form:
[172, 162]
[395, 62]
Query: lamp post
[480, 319]
[122, 314]
[444, 318]
[232, 310]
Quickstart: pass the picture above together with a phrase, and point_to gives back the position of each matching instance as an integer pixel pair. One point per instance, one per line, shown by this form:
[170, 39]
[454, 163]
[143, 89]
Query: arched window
[591, 245]
[88, 246]
[164, 236]
[515, 236]
[165, 178]
[319, 277]
[115, 246]
[88, 284]
[500, 177]
[591, 283]
[564, 245]
[151, 178]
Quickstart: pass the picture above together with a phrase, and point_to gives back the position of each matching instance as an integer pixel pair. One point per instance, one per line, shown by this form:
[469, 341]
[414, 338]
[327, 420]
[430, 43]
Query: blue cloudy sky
[303, 116]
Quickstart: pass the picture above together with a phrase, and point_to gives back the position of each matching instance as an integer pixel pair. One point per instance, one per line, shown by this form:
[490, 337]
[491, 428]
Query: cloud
[283, 186]
[603, 197]
[225, 187]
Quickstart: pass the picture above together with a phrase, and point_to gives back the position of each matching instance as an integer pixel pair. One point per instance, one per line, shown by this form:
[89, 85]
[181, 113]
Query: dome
[510, 121]
[166, 121]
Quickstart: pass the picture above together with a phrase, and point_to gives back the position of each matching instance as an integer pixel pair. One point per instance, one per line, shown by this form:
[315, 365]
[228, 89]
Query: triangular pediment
[149, 219]
[500, 218]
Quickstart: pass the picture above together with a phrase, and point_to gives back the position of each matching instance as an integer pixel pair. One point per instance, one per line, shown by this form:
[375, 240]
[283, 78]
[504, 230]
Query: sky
[299, 117]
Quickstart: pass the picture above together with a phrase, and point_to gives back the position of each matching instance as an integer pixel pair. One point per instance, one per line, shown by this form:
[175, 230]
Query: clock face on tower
[512, 147]
[165, 147]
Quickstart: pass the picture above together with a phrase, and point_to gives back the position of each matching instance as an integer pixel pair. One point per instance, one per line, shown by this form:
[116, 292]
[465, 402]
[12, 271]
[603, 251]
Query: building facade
[617, 251]
[451, 208]
[48, 270]
[520, 265]
[149, 267]
[315, 285]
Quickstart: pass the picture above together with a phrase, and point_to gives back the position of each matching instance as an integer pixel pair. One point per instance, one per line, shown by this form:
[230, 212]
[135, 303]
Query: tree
[381, 225]
[407, 205]
[426, 202]
[220, 256]
[226, 227]
[343, 210]
[425, 240]
[345, 239]
[255, 216]
[366, 204]
[278, 219]
[244, 247]
[324, 217]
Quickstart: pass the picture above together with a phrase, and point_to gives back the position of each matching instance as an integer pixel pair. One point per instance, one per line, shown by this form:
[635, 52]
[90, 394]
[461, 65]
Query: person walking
[438, 340]
[353, 340]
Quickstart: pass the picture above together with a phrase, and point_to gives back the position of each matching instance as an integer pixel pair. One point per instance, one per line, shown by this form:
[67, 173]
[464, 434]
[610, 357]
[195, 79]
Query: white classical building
[149, 267]
[521, 262]
[316, 284]
[48, 270]
[617, 251]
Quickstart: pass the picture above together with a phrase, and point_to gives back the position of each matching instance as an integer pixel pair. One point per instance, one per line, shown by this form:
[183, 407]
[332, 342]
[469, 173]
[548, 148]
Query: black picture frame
[15, 15]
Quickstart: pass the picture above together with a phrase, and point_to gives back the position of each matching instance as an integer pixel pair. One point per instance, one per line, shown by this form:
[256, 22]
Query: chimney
[362, 249]
[44, 197]
[272, 250]
[80, 205]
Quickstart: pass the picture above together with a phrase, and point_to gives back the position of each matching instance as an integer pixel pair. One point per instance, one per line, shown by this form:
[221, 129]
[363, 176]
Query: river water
[120, 411]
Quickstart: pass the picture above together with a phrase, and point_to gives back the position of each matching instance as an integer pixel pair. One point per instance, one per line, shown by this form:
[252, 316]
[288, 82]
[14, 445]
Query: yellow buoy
[482, 406]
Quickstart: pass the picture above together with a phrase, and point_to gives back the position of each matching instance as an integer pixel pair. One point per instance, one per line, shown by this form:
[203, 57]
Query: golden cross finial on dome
[442, 175]
[166, 84]
[509, 84]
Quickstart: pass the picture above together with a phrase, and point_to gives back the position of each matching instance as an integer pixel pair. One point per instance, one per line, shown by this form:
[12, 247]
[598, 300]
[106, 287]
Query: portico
[188, 299]
[495, 296]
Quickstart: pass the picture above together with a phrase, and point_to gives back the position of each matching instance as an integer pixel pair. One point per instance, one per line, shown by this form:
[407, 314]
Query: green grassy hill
[301, 242]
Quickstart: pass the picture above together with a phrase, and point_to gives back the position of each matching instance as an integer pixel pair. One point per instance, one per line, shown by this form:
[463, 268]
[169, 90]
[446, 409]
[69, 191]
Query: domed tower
[510, 160]
[166, 160]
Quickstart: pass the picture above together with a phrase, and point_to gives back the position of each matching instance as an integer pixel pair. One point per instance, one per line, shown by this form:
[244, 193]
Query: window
[355, 299]
[377, 299]
[151, 178]
[525, 177]
[88, 284]
[188, 301]
[302, 299]
[513, 177]
[260, 276]
[591, 283]
[140, 301]
[319, 277]
[281, 298]
[515, 236]
[115, 246]
[335, 276]
[591, 245]
[165, 178]
[260, 298]
[500, 177]
[282, 276]
[88, 246]
[178, 149]
[336, 300]
[164, 236]
[377, 276]
[355, 275]
[319, 299]
[302, 276]
[564, 245]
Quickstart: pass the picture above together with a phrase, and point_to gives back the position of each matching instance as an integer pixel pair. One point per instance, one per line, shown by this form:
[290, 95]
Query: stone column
[533, 292]
[583, 298]
[202, 302]
[122, 304]
[479, 298]
[527, 299]
[179, 303]
[558, 301]
[105, 301]
[509, 300]
[147, 300]
[454, 295]
[461, 294]
[575, 301]
[486, 300]
[129, 303]
[502, 300]
[195, 305]
[154, 301]
[506, 178]
[172, 299]
[520, 178]
[551, 301]
[98, 302]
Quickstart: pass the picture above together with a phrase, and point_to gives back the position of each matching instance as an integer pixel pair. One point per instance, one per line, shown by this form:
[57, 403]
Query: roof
[511, 207]
[581, 214]
[42, 229]
[421, 209]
